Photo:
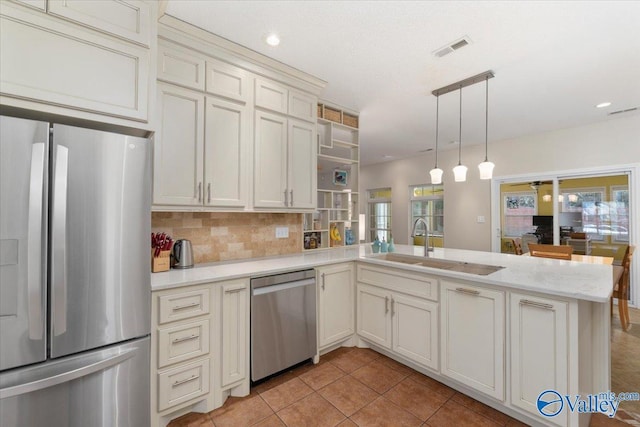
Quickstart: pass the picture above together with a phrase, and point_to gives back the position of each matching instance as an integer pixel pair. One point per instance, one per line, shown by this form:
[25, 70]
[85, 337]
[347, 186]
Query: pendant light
[486, 167]
[460, 171]
[436, 172]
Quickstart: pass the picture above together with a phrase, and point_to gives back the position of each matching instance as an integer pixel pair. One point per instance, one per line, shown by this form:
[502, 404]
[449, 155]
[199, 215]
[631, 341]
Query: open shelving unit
[338, 173]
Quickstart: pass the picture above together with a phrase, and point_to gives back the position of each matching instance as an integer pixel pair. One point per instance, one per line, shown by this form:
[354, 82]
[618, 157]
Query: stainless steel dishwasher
[283, 322]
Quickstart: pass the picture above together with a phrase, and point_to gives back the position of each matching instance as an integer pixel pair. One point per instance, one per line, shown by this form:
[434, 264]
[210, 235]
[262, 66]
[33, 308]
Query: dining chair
[517, 245]
[551, 251]
[621, 289]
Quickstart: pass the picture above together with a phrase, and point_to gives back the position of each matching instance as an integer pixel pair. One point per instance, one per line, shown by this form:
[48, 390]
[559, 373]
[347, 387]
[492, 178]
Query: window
[427, 201]
[379, 211]
[519, 209]
[619, 213]
[590, 203]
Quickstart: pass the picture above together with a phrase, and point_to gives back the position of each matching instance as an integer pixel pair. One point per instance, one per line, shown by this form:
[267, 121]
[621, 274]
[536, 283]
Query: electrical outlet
[480, 219]
[282, 232]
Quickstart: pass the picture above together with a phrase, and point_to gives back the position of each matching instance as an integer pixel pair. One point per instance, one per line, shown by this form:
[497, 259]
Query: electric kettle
[182, 256]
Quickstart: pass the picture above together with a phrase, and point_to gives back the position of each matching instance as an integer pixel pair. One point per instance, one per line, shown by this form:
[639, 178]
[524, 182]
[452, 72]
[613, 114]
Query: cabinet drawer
[180, 66]
[183, 383]
[183, 305]
[303, 106]
[401, 281]
[226, 80]
[183, 342]
[127, 19]
[272, 96]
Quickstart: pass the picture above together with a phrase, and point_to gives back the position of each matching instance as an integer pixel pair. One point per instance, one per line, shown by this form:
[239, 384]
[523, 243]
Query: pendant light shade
[436, 172]
[460, 171]
[486, 167]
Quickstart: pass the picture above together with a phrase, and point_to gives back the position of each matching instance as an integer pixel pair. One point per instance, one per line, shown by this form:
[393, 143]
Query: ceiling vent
[623, 111]
[452, 47]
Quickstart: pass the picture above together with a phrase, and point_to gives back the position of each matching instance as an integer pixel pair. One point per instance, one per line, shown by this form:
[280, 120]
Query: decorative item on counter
[334, 234]
[392, 247]
[384, 246]
[313, 241]
[348, 237]
[375, 246]
[160, 252]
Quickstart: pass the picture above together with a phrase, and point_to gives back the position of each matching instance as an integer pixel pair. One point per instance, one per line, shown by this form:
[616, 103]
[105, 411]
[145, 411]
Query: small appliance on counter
[182, 256]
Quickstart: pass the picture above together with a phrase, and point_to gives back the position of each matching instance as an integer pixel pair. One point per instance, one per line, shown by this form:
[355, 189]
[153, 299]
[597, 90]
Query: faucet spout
[426, 237]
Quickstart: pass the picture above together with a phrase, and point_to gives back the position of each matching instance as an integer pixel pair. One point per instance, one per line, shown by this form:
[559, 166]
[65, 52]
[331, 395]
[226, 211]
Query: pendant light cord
[486, 123]
[460, 132]
[437, 120]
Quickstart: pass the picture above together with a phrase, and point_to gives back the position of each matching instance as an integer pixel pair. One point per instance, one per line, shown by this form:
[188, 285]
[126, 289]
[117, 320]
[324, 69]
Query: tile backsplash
[222, 236]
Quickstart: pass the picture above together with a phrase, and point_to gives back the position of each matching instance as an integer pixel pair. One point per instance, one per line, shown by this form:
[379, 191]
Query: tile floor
[359, 387]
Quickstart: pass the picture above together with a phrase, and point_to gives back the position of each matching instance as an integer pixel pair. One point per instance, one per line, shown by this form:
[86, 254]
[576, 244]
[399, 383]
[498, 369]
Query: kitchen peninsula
[501, 338]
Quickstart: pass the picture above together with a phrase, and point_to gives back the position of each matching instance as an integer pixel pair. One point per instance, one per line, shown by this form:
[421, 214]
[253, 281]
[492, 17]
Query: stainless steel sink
[460, 266]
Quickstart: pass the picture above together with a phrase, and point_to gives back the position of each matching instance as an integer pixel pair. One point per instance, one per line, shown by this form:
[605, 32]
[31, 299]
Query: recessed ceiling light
[273, 39]
[603, 104]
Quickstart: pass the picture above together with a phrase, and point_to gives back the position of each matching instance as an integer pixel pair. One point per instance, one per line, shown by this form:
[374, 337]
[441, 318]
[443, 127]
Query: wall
[221, 236]
[607, 143]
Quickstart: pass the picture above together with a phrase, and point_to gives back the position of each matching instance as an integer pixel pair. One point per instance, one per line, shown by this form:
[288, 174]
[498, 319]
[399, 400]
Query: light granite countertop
[591, 282]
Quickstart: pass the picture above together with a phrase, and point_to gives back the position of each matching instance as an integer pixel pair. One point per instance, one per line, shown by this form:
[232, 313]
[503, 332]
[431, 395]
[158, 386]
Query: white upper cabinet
[272, 96]
[67, 59]
[127, 19]
[473, 337]
[270, 161]
[303, 106]
[227, 139]
[302, 161]
[178, 147]
[228, 81]
[180, 66]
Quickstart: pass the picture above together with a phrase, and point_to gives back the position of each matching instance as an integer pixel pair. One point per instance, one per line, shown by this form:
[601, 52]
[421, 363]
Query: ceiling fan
[535, 185]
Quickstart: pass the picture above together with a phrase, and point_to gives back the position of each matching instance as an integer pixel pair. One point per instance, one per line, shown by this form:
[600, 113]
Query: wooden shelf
[337, 159]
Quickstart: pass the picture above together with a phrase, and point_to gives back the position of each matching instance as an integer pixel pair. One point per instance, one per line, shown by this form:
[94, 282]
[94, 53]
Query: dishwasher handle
[283, 286]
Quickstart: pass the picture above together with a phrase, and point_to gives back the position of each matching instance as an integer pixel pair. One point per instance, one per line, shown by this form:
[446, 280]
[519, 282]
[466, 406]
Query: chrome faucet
[426, 237]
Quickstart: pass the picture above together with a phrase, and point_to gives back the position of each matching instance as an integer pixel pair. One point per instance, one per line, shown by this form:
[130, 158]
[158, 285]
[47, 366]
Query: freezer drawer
[104, 388]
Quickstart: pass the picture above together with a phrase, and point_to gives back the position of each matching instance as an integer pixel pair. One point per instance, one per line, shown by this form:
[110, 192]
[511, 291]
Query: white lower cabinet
[335, 303]
[539, 351]
[234, 322]
[404, 323]
[473, 336]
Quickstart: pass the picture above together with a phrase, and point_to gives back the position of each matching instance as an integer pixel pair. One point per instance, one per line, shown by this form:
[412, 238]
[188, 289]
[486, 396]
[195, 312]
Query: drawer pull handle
[191, 378]
[536, 304]
[468, 291]
[234, 290]
[189, 338]
[182, 307]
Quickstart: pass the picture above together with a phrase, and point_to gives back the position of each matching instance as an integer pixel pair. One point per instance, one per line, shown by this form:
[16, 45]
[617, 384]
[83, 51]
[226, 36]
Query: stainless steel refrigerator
[74, 276]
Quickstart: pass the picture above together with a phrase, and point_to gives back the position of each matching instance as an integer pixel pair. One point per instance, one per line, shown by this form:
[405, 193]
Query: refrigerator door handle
[34, 254]
[59, 241]
[64, 377]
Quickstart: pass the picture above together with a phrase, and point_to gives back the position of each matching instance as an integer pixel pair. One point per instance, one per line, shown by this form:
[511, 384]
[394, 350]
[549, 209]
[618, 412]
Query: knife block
[160, 263]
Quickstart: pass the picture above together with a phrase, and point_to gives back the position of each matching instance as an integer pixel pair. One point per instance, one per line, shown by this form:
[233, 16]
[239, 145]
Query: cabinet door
[235, 330]
[473, 334]
[415, 329]
[302, 165]
[225, 146]
[71, 66]
[271, 96]
[335, 303]
[226, 80]
[270, 160]
[373, 315]
[178, 147]
[180, 66]
[538, 351]
[128, 19]
[303, 106]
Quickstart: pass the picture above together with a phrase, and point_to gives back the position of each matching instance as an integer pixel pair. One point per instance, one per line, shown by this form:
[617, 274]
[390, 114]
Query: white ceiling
[553, 62]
